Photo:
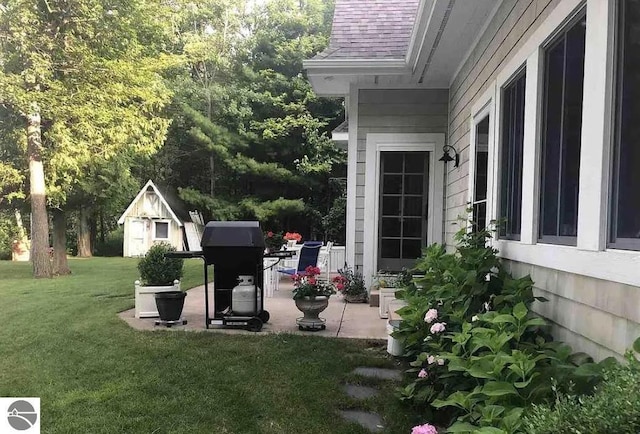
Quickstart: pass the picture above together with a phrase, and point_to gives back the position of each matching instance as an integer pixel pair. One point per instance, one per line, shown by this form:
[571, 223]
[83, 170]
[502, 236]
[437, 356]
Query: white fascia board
[420, 26]
[356, 66]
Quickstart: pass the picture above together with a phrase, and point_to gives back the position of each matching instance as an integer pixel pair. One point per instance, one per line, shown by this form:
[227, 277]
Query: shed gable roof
[371, 29]
[176, 207]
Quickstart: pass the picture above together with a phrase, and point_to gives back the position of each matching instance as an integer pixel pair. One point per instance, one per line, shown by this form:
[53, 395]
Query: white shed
[156, 216]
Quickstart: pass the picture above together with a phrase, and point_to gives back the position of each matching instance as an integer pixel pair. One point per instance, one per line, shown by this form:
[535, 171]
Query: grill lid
[232, 234]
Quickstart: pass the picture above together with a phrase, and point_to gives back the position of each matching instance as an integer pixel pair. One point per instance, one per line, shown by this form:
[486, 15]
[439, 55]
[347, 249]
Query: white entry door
[137, 237]
[402, 226]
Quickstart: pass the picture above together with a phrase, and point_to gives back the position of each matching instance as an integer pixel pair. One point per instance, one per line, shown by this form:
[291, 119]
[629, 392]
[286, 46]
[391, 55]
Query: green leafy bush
[158, 270]
[478, 354]
[614, 407]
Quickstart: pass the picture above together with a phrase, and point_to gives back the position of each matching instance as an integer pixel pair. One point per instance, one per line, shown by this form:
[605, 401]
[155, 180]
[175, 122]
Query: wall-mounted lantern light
[447, 157]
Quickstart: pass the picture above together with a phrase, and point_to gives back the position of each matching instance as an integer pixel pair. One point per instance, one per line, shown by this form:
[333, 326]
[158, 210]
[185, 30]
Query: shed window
[564, 79]
[161, 230]
[511, 157]
[625, 205]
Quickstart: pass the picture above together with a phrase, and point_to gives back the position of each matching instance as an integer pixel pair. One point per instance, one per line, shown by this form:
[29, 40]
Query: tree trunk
[59, 232]
[84, 234]
[40, 258]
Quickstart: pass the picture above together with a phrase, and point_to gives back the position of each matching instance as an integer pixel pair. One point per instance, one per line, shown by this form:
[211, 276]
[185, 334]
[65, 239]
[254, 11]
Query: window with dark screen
[625, 204]
[561, 135]
[511, 158]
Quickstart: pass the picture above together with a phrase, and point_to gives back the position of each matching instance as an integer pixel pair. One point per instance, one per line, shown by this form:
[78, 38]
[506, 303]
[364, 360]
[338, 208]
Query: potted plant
[159, 275]
[388, 284]
[273, 241]
[350, 284]
[311, 296]
[292, 238]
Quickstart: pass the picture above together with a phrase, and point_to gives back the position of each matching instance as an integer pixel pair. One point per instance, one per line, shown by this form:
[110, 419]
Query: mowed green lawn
[61, 340]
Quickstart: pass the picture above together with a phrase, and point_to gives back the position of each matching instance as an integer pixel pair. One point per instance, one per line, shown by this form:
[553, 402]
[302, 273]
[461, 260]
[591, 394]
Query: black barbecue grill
[234, 249]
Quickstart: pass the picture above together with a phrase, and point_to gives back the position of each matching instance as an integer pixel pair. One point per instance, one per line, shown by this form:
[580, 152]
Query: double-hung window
[625, 204]
[511, 157]
[561, 134]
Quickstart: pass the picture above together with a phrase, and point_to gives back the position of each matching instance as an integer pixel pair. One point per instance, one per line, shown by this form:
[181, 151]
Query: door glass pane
[413, 206]
[392, 184]
[390, 248]
[393, 162]
[411, 249]
[391, 205]
[391, 227]
[413, 184]
[414, 163]
[412, 227]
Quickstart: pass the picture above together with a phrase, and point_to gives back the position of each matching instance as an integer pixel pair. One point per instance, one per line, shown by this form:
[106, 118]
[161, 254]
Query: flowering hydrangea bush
[478, 354]
[308, 284]
[424, 429]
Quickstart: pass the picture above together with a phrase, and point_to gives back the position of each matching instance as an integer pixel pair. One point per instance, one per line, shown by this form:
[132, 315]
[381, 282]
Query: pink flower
[340, 286]
[431, 360]
[440, 362]
[424, 429]
[431, 315]
[422, 373]
[438, 327]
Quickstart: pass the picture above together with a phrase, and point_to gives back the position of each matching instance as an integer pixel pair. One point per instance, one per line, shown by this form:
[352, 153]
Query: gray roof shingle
[371, 29]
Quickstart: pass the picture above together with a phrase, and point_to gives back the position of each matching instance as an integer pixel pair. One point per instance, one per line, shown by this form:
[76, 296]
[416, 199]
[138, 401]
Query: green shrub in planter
[614, 408]
[157, 270]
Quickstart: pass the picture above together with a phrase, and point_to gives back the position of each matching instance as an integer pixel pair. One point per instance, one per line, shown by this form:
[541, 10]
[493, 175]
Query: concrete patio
[344, 320]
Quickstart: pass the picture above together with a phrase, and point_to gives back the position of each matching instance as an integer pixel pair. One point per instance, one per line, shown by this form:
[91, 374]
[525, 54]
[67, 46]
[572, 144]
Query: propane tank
[243, 297]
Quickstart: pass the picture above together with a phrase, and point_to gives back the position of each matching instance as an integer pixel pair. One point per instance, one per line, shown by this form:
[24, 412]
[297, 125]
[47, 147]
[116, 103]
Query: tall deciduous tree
[83, 75]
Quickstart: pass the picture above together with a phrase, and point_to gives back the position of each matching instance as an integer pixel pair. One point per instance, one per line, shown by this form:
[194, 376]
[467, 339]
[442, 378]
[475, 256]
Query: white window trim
[590, 257]
[482, 108]
[381, 142]
[153, 231]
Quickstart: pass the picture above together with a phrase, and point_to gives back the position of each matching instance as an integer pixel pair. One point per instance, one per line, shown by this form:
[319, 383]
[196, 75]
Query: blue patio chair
[307, 256]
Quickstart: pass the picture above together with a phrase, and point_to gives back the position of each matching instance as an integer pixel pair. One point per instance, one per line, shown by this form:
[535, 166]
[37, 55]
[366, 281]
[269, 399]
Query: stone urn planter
[311, 308]
[355, 298]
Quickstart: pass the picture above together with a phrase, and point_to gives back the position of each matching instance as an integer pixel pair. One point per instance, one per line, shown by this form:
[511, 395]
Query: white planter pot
[394, 346]
[145, 298]
[387, 295]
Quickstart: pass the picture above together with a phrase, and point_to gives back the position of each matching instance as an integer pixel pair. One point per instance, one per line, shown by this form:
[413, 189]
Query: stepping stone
[380, 373]
[360, 392]
[370, 421]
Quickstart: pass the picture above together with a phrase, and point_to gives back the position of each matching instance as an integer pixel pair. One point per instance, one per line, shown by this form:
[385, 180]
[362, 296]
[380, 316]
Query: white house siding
[597, 316]
[393, 111]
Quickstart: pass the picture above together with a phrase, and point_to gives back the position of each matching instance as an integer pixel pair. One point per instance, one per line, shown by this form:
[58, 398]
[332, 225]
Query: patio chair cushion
[308, 256]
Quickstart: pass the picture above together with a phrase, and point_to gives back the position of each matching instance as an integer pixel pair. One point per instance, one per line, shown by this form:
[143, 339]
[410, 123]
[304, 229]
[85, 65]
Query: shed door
[136, 238]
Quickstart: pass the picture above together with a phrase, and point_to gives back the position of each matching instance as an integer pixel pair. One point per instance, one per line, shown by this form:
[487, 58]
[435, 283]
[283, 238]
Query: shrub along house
[159, 216]
[540, 101]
